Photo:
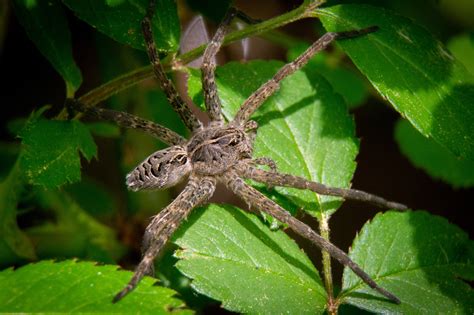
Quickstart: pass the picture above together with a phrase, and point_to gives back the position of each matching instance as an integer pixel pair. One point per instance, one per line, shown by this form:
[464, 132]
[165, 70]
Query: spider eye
[162, 169]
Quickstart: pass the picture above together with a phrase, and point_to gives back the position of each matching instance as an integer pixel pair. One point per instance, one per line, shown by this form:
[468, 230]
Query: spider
[220, 152]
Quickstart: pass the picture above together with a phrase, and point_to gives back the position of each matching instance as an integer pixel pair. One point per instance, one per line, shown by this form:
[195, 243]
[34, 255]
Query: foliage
[430, 89]
[121, 21]
[51, 36]
[419, 257]
[248, 267]
[50, 151]
[225, 253]
[74, 286]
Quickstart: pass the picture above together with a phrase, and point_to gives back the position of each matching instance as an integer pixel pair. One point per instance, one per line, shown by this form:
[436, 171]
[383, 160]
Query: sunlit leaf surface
[72, 286]
[413, 71]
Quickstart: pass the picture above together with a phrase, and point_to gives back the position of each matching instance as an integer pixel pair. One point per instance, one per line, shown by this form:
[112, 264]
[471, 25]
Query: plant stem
[327, 272]
[114, 86]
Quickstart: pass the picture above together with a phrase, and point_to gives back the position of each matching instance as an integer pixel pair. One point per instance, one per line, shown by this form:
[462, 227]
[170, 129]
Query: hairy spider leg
[180, 107]
[262, 203]
[247, 170]
[127, 120]
[208, 67]
[163, 225]
[263, 161]
[253, 102]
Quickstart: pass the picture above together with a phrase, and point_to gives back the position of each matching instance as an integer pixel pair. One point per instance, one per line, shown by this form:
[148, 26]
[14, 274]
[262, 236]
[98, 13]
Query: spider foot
[388, 295]
[396, 206]
[122, 293]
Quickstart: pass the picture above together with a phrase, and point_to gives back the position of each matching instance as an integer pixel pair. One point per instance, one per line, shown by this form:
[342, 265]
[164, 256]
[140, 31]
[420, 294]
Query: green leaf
[462, 47]
[170, 277]
[195, 86]
[413, 71]
[121, 20]
[71, 286]
[12, 239]
[345, 81]
[46, 25]
[50, 151]
[72, 232]
[419, 257]
[305, 128]
[436, 160]
[235, 258]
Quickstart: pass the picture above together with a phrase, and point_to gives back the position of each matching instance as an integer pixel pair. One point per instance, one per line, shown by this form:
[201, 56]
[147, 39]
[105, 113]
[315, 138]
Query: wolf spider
[220, 152]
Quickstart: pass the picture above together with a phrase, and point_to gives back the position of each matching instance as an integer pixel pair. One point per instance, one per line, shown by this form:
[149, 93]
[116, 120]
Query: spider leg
[166, 85]
[265, 161]
[246, 170]
[208, 67]
[259, 201]
[268, 88]
[165, 223]
[127, 120]
[251, 129]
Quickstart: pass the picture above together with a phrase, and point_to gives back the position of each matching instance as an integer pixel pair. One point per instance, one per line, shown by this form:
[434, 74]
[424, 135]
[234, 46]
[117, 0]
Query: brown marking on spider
[220, 153]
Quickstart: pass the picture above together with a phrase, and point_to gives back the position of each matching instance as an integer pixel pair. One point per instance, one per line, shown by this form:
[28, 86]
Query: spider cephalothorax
[216, 149]
[220, 152]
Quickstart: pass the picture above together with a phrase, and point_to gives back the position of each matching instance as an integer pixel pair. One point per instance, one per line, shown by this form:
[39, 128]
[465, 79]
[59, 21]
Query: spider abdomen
[214, 150]
[162, 169]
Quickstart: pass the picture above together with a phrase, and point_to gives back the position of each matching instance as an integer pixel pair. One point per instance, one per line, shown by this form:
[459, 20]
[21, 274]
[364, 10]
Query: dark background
[28, 82]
